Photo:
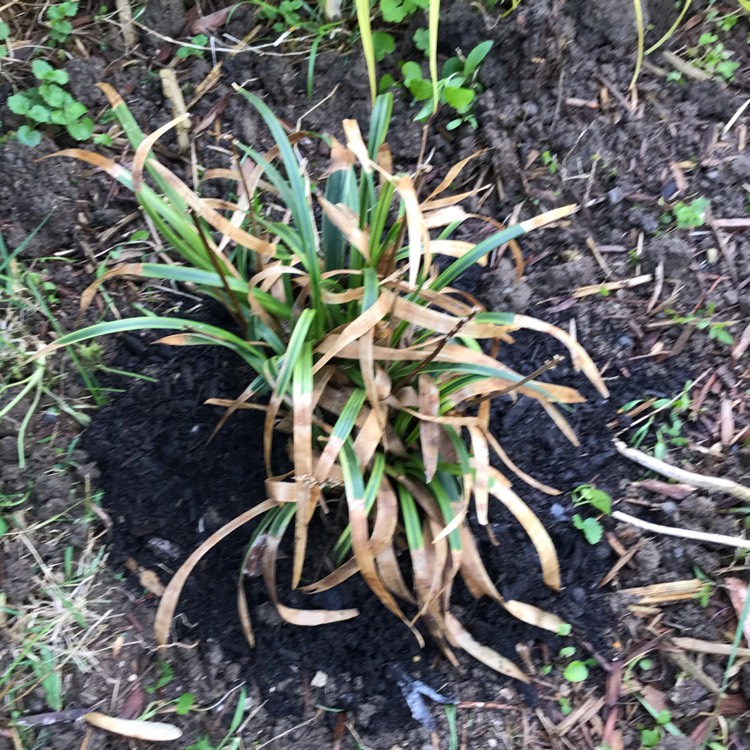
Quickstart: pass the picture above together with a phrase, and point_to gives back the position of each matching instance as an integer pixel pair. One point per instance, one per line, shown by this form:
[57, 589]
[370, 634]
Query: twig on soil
[586, 711]
[684, 664]
[317, 715]
[173, 93]
[684, 67]
[669, 591]
[699, 536]
[742, 344]
[611, 286]
[709, 647]
[736, 116]
[482, 705]
[591, 244]
[710, 484]
[627, 106]
[621, 563]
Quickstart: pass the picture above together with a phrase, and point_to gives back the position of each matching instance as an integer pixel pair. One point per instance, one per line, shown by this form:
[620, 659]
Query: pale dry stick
[125, 13]
[698, 536]
[611, 286]
[736, 116]
[710, 484]
[709, 647]
[684, 67]
[173, 92]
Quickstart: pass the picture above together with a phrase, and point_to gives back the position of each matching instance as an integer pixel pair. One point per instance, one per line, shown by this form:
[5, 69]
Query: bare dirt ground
[102, 503]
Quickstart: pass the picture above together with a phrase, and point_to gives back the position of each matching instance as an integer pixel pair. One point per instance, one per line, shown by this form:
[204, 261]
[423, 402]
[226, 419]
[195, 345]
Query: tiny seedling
[200, 40]
[667, 433]
[712, 56]
[289, 15]
[458, 85]
[691, 215]
[384, 44]
[229, 742]
[165, 676]
[587, 494]
[184, 704]
[549, 160]
[49, 105]
[705, 320]
[396, 11]
[707, 587]
[576, 671]
[565, 706]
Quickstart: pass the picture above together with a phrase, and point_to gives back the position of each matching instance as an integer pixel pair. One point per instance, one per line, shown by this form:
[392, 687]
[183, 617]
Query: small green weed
[705, 320]
[458, 85]
[650, 737]
[164, 677]
[184, 704]
[587, 494]
[58, 20]
[711, 55]
[691, 215]
[228, 742]
[668, 431]
[549, 159]
[576, 671]
[49, 104]
[707, 589]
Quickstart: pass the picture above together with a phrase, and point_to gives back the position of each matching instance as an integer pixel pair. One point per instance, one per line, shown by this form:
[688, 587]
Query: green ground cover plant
[361, 351]
[49, 104]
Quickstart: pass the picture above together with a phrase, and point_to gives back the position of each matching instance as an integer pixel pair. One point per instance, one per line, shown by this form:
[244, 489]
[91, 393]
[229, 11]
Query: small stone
[740, 166]
[163, 548]
[267, 615]
[320, 680]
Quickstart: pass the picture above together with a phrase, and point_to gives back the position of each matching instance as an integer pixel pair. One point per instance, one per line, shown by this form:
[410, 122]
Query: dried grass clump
[363, 353]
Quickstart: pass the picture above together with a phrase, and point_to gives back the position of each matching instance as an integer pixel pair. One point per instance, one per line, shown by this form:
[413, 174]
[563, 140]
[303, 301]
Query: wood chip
[726, 429]
[173, 92]
[737, 590]
[125, 14]
[612, 286]
[582, 714]
[598, 256]
[662, 593]
[709, 647]
[672, 491]
[742, 343]
[621, 563]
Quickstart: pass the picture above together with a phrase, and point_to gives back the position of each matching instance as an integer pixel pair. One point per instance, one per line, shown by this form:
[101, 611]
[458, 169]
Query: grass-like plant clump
[358, 349]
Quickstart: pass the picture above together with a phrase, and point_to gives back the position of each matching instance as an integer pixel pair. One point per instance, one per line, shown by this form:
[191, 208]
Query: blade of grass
[365, 32]
[170, 597]
[307, 493]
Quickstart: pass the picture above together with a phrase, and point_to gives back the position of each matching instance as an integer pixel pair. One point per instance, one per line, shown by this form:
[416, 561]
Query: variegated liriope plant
[358, 348]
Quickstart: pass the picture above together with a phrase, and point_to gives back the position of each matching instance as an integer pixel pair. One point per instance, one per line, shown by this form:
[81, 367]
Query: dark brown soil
[166, 489]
